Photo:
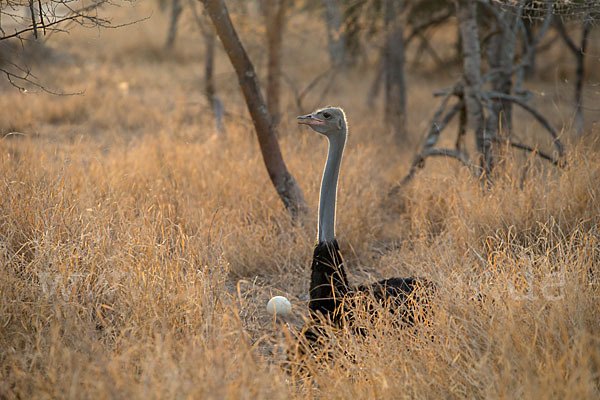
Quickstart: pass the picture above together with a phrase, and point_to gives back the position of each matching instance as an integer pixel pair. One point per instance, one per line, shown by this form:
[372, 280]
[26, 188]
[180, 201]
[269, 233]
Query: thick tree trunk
[176, 9]
[466, 11]
[275, 21]
[393, 60]
[500, 56]
[285, 184]
[336, 38]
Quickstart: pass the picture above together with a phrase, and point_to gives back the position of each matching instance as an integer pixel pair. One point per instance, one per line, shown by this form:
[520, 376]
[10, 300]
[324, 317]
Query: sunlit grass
[139, 249]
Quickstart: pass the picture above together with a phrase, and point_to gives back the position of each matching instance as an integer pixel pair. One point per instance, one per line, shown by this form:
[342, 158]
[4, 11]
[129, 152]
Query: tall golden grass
[138, 249]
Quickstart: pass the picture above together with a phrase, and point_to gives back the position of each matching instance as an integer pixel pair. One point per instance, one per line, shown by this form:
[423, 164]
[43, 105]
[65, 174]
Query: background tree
[485, 100]
[578, 51]
[393, 68]
[275, 15]
[210, 90]
[336, 36]
[466, 11]
[396, 24]
[288, 189]
[176, 9]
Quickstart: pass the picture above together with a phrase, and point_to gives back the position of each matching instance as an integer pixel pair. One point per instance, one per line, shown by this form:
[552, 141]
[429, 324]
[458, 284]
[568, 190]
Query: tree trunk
[336, 38]
[275, 22]
[285, 184]
[466, 11]
[580, 73]
[216, 105]
[393, 59]
[209, 80]
[500, 56]
[528, 40]
[176, 9]
[579, 53]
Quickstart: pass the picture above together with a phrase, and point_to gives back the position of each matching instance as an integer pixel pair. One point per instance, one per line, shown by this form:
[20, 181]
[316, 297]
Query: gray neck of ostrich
[329, 187]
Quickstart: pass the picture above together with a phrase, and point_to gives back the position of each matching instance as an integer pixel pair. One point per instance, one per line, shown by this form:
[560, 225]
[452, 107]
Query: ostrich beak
[310, 119]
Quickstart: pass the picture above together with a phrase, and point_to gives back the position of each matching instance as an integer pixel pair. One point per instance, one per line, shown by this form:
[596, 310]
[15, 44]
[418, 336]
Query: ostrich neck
[329, 187]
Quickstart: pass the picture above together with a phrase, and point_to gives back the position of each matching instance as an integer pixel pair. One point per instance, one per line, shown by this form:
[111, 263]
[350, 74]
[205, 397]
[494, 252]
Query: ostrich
[329, 287]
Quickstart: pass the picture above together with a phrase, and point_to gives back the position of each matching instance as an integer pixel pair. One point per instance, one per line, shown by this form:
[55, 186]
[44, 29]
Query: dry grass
[138, 250]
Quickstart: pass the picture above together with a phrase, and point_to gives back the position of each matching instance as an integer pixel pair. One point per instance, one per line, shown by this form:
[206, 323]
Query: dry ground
[138, 249]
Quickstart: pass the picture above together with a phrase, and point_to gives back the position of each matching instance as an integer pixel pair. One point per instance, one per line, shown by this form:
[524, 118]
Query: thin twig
[14, 78]
[531, 48]
[434, 20]
[543, 121]
[326, 89]
[437, 126]
[300, 94]
[560, 27]
[427, 46]
[456, 90]
[432, 152]
[451, 153]
[73, 17]
[530, 149]
[525, 59]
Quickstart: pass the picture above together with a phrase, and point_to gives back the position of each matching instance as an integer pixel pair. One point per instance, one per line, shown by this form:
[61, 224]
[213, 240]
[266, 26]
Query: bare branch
[423, 25]
[79, 16]
[33, 22]
[198, 19]
[447, 153]
[531, 47]
[560, 27]
[456, 90]
[41, 16]
[497, 14]
[437, 127]
[33, 28]
[530, 149]
[51, 21]
[21, 81]
[543, 121]
[300, 94]
[426, 46]
[432, 152]
[543, 29]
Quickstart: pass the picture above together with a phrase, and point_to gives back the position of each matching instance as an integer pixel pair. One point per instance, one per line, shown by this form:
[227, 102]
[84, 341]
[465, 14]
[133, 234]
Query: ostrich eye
[326, 115]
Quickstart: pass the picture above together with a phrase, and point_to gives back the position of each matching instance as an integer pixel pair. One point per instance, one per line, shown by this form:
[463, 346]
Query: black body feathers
[330, 291]
[328, 281]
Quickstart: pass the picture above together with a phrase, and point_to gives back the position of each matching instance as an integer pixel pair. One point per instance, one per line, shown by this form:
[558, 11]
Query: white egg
[280, 306]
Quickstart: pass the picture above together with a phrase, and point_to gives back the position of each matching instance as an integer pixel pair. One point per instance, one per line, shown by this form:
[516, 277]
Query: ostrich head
[328, 121]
